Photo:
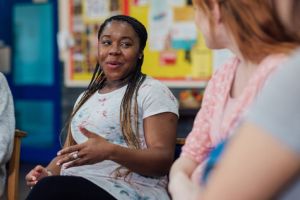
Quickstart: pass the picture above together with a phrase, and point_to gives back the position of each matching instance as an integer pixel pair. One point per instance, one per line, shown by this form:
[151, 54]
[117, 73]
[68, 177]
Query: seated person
[122, 132]
[261, 160]
[7, 130]
[249, 29]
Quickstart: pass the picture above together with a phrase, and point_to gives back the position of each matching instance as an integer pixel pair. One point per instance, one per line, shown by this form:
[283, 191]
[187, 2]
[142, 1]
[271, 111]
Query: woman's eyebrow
[127, 37]
[105, 36]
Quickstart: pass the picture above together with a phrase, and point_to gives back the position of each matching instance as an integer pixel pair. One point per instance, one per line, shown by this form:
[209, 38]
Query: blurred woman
[251, 30]
[262, 160]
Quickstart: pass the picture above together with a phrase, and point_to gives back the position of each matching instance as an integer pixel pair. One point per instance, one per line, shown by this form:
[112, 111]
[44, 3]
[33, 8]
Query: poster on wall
[95, 10]
[175, 53]
[78, 42]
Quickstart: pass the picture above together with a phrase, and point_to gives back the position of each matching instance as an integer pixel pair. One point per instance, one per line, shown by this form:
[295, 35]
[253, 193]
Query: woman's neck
[111, 85]
[115, 84]
[244, 63]
[244, 72]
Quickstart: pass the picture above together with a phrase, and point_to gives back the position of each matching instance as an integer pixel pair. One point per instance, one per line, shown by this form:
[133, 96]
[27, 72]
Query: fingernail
[58, 153]
[58, 163]
[33, 178]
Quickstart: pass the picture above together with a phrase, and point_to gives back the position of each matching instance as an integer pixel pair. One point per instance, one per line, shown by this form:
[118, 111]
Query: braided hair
[134, 82]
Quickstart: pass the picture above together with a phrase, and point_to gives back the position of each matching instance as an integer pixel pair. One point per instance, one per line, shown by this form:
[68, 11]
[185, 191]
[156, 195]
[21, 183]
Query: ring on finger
[75, 155]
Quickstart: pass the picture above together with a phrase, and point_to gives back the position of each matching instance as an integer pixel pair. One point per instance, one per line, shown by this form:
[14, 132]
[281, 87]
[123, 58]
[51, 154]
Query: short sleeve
[156, 98]
[277, 109]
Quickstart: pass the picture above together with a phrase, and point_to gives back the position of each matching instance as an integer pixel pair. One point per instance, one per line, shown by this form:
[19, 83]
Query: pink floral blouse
[201, 140]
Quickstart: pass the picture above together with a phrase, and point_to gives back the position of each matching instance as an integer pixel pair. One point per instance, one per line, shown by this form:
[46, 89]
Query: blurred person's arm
[254, 166]
[264, 154]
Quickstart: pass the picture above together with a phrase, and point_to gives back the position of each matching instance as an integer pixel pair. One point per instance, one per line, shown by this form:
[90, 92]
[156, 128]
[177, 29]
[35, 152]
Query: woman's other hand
[35, 175]
[95, 149]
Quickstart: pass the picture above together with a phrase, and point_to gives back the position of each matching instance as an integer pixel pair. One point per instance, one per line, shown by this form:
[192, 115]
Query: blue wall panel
[33, 58]
[36, 117]
[35, 79]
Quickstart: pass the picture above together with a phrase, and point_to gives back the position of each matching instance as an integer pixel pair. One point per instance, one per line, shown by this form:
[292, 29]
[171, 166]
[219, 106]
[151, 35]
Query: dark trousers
[67, 187]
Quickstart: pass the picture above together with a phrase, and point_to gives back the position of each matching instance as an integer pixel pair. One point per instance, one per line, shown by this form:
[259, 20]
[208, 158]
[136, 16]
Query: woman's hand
[95, 149]
[35, 175]
[180, 187]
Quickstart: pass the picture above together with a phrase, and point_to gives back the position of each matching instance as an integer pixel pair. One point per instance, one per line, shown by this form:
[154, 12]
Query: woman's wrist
[116, 152]
[49, 172]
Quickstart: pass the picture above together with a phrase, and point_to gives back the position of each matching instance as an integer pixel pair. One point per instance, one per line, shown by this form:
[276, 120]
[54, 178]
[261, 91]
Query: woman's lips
[113, 64]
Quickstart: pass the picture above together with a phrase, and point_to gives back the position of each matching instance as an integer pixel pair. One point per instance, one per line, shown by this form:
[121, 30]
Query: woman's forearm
[149, 162]
[53, 168]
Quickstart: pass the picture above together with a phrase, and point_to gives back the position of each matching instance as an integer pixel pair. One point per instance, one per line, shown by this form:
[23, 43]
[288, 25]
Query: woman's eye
[106, 42]
[126, 44]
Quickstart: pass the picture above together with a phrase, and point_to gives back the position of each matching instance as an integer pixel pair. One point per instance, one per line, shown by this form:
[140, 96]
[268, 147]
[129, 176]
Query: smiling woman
[119, 50]
[122, 132]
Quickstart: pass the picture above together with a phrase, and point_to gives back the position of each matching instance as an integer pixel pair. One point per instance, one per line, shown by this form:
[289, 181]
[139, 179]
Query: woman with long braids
[121, 134]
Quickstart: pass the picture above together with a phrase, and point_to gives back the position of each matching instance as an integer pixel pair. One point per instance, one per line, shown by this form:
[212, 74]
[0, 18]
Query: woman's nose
[114, 50]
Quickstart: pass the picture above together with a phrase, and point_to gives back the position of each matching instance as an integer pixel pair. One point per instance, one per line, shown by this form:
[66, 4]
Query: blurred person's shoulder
[294, 59]
[3, 82]
[287, 74]
[2, 77]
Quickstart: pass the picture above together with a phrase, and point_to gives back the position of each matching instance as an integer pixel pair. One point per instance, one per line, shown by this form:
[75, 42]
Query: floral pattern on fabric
[201, 140]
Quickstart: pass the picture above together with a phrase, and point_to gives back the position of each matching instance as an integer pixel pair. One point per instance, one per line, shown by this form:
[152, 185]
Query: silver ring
[75, 155]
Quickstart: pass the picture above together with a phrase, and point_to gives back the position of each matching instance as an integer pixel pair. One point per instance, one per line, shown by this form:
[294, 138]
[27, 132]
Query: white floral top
[101, 114]
[7, 127]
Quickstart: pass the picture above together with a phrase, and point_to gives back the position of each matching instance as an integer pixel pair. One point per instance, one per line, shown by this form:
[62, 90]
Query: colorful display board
[175, 53]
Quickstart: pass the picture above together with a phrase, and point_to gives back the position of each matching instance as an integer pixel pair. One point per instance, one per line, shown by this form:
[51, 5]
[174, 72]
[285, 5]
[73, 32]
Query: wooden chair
[180, 141]
[14, 166]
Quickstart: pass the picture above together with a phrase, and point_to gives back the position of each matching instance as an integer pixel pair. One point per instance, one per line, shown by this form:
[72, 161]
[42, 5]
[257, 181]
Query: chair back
[14, 167]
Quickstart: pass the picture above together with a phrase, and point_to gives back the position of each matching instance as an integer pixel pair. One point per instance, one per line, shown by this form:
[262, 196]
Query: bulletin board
[175, 53]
